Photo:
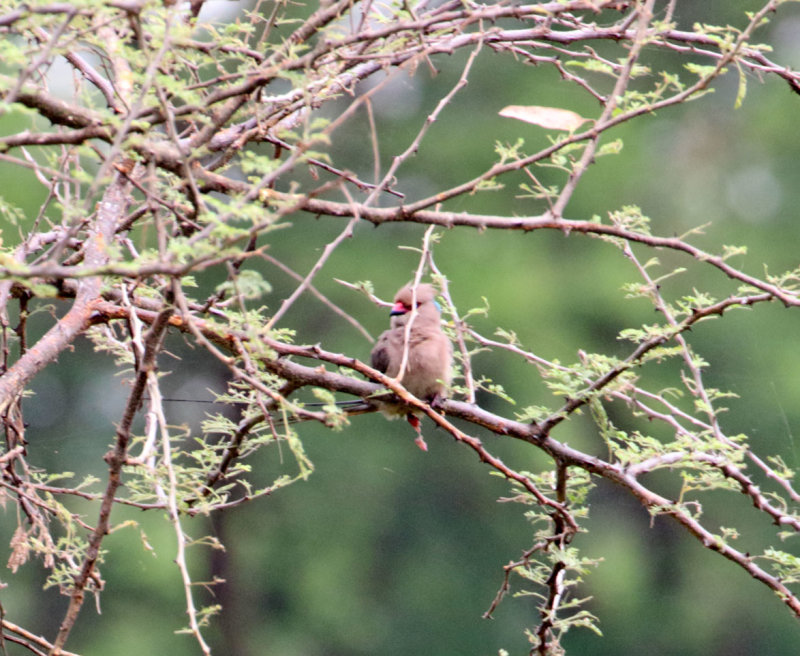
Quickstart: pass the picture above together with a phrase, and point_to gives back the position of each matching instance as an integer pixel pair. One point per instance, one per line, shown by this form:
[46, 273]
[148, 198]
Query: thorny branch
[537, 433]
[116, 459]
[191, 147]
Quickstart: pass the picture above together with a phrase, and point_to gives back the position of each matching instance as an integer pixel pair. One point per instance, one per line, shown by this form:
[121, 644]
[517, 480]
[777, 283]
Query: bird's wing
[379, 358]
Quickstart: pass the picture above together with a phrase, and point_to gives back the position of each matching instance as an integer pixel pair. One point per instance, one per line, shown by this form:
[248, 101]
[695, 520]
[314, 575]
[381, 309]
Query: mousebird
[427, 352]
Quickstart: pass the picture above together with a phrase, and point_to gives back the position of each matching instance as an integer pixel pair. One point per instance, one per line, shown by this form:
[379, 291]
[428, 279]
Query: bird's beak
[398, 308]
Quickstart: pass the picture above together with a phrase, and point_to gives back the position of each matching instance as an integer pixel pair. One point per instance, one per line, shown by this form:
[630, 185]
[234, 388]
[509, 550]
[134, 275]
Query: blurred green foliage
[386, 550]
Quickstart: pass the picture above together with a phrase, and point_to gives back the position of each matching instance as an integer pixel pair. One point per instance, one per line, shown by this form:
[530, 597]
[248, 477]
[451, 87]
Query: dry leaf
[19, 549]
[551, 118]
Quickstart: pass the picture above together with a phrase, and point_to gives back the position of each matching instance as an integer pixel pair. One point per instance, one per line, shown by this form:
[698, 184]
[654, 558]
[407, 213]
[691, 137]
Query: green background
[388, 550]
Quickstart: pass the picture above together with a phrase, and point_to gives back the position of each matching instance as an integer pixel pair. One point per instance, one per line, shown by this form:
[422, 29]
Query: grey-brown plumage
[428, 362]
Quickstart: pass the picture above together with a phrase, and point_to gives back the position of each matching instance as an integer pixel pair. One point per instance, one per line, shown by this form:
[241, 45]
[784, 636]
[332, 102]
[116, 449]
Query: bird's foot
[436, 402]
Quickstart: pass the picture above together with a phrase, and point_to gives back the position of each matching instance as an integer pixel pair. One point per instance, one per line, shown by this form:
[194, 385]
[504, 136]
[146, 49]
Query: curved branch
[115, 459]
[110, 210]
[302, 375]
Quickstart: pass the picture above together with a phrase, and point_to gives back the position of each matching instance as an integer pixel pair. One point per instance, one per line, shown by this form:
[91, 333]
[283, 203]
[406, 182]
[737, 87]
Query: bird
[422, 351]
